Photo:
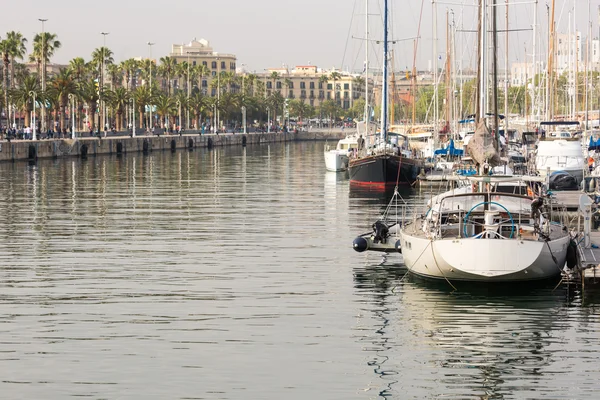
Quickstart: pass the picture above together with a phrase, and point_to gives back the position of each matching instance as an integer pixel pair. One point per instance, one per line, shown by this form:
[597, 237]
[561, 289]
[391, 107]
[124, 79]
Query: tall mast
[534, 61]
[483, 89]
[506, 75]
[367, 116]
[384, 89]
[495, 72]
[550, 70]
[435, 75]
[448, 81]
[479, 112]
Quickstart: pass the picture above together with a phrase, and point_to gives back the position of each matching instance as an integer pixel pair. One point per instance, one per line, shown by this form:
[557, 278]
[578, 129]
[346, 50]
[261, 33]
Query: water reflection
[429, 341]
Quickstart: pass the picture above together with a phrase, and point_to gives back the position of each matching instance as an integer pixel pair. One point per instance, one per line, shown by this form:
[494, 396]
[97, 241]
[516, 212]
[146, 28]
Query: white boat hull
[336, 160]
[485, 260]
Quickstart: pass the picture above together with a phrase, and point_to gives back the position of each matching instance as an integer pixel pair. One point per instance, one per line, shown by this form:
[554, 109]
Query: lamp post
[268, 119]
[72, 101]
[188, 90]
[33, 95]
[244, 118]
[42, 20]
[150, 58]
[218, 92]
[103, 105]
[133, 116]
[179, 112]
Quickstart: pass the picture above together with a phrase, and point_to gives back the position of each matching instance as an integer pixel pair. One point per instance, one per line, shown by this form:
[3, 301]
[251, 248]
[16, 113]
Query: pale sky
[270, 33]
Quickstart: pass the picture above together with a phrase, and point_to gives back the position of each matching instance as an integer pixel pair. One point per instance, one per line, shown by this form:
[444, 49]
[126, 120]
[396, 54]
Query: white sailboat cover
[481, 146]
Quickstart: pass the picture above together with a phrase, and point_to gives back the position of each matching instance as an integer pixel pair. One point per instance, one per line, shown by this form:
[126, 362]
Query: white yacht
[560, 149]
[486, 235]
[337, 159]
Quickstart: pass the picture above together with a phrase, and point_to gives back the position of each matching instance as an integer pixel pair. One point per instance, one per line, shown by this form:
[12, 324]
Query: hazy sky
[267, 33]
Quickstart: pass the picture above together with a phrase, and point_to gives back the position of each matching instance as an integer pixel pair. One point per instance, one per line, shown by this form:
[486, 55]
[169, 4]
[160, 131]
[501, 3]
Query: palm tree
[144, 96]
[61, 86]
[275, 101]
[147, 71]
[165, 106]
[6, 48]
[101, 57]
[79, 68]
[89, 94]
[115, 74]
[198, 104]
[323, 79]
[22, 96]
[44, 46]
[335, 76]
[288, 83]
[168, 69]
[18, 52]
[130, 67]
[274, 77]
[118, 99]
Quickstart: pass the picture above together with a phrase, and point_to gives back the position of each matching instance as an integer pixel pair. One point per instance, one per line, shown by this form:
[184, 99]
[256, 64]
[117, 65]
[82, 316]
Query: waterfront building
[314, 85]
[199, 52]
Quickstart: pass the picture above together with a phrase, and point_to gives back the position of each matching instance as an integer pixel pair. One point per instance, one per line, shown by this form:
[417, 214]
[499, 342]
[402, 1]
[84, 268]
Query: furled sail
[481, 146]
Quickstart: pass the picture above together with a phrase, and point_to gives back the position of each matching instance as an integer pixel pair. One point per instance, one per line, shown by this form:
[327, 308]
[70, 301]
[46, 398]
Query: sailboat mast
[483, 90]
[506, 75]
[550, 70]
[367, 115]
[495, 72]
[478, 97]
[384, 88]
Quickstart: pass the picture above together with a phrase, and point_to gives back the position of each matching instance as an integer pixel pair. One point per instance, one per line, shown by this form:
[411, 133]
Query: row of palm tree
[174, 93]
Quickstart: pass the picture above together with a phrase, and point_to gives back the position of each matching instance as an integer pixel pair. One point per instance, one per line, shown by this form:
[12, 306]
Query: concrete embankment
[84, 147]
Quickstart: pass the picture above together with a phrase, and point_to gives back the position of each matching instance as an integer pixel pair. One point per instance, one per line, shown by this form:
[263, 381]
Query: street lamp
[33, 95]
[244, 118]
[72, 100]
[42, 20]
[102, 79]
[150, 59]
[133, 116]
[179, 112]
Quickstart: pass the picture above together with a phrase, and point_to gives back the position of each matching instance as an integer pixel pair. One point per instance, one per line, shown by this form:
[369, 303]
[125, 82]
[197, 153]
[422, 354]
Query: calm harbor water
[229, 274]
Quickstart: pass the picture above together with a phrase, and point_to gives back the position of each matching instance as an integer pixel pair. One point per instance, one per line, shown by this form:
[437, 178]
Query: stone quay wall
[23, 150]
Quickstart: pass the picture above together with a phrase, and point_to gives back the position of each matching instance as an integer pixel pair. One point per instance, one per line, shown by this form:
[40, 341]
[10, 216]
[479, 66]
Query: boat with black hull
[386, 169]
[385, 163]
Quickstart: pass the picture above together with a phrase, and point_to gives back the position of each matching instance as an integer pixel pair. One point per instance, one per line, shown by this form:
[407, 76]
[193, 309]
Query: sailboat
[487, 233]
[385, 163]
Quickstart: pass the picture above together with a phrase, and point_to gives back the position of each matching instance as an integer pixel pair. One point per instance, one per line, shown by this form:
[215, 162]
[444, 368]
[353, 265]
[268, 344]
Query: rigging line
[348, 36]
[414, 66]
[439, 269]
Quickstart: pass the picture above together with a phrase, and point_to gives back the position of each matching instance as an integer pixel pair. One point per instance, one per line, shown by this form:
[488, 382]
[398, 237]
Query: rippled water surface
[229, 274]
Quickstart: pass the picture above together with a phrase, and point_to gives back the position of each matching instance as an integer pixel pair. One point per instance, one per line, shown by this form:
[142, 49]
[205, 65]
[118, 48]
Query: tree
[275, 102]
[18, 52]
[23, 98]
[6, 47]
[88, 93]
[44, 46]
[167, 70]
[198, 103]
[118, 100]
[275, 78]
[144, 96]
[79, 68]
[165, 106]
[61, 86]
[335, 76]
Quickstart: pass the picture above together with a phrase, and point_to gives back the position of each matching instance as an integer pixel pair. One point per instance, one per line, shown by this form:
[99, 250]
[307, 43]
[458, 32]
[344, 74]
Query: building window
[204, 83]
[205, 63]
[222, 64]
[329, 86]
[269, 85]
[346, 86]
[312, 103]
[278, 85]
[193, 62]
[291, 85]
[311, 85]
[291, 94]
[346, 95]
[213, 65]
[321, 94]
[214, 73]
[312, 94]
[346, 104]
[303, 94]
[328, 95]
[302, 84]
[213, 92]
